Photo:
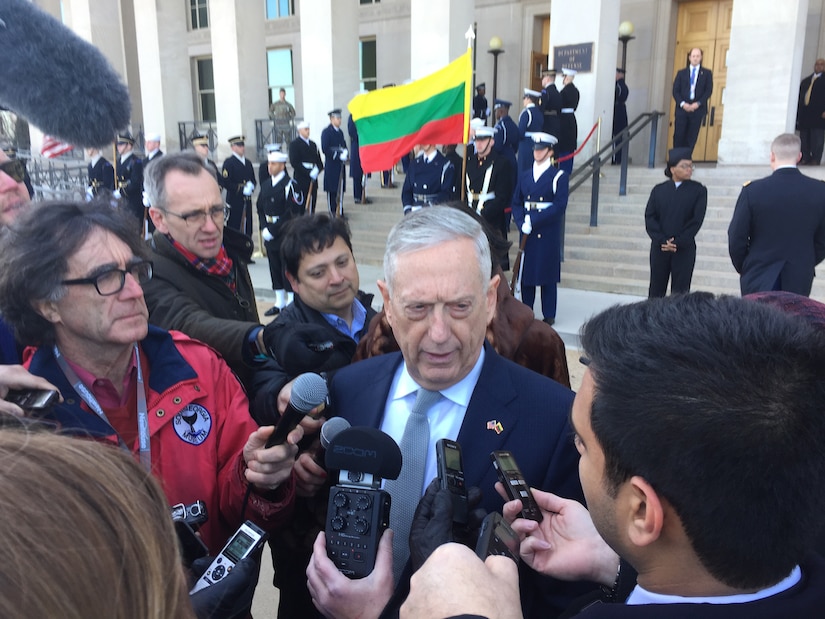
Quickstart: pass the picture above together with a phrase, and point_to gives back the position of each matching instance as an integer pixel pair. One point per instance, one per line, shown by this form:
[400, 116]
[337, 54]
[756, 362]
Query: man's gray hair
[786, 147]
[154, 175]
[432, 226]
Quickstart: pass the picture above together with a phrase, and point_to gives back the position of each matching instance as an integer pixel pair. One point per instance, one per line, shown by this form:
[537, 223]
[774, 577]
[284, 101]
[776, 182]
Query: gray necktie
[406, 490]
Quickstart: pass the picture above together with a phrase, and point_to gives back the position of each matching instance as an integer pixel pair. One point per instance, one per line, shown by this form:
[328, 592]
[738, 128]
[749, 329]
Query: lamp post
[496, 45]
[625, 34]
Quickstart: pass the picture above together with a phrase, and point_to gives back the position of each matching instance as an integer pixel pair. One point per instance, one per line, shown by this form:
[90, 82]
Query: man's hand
[310, 476]
[432, 524]
[338, 597]
[669, 245]
[18, 377]
[269, 468]
[566, 544]
[455, 581]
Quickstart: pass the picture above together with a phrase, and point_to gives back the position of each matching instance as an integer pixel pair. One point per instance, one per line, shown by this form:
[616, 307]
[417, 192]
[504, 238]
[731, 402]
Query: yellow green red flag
[432, 110]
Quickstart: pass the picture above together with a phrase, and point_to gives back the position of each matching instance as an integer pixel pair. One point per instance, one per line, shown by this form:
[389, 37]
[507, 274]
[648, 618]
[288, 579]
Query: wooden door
[705, 24]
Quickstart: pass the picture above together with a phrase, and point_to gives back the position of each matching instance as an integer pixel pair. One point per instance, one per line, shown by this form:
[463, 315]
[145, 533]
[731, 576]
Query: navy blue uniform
[355, 169]
[551, 109]
[568, 128]
[619, 113]
[236, 174]
[333, 143]
[428, 182]
[278, 203]
[777, 234]
[530, 121]
[130, 183]
[489, 183]
[303, 156]
[545, 200]
[101, 177]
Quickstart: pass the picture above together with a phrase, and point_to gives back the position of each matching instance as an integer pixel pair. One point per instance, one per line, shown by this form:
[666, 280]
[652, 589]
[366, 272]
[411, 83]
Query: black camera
[359, 511]
[188, 519]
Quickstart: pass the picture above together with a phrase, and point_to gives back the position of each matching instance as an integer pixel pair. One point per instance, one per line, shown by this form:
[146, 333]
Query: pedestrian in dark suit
[810, 115]
[129, 177]
[692, 88]
[777, 234]
[619, 111]
[334, 147]
[674, 213]
[279, 201]
[530, 121]
[439, 298]
[568, 127]
[101, 175]
[689, 407]
[359, 193]
[239, 181]
[306, 163]
[539, 203]
[480, 107]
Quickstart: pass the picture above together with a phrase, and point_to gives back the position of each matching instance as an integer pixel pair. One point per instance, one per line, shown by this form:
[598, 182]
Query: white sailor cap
[569, 71]
[485, 132]
[531, 93]
[476, 123]
[153, 137]
[304, 124]
[271, 148]
[276, 156]
[543, 140]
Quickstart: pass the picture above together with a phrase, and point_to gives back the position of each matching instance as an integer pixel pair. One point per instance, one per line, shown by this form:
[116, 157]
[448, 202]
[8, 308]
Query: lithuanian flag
[432, 110]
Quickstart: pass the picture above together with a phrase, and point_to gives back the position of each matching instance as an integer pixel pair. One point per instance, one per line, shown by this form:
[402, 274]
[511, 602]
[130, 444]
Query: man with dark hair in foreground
[700, 432]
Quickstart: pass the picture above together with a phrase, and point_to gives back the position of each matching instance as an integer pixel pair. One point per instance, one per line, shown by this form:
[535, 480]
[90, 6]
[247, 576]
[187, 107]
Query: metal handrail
[579, 175]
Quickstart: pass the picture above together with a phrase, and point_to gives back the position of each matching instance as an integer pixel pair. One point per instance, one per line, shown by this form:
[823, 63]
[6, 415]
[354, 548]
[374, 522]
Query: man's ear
[48, 310]
[492, 296]
[292, 280]
[646, 512]
[158, 219]
[385, 295]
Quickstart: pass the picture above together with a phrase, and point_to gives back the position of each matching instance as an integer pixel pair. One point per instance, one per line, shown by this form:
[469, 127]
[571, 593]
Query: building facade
[223, 61]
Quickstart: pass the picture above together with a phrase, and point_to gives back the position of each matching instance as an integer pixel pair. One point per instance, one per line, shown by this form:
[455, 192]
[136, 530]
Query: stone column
[165, 68]
[437, 29]
[239, 64]
[764, 100]
[329, 59]
[596, 88]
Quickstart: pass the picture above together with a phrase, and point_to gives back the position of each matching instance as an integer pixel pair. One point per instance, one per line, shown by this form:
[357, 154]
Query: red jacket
[199, 423]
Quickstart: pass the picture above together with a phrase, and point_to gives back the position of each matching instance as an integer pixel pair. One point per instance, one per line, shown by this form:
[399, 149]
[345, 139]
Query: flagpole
[470, 35]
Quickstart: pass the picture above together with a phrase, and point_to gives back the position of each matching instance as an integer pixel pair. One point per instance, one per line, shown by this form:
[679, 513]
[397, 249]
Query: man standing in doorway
[691, 90]
[675, 212]
[810, 115]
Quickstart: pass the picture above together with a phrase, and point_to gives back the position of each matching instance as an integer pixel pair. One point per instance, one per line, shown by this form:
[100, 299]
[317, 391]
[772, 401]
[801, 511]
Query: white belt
[308, 166]
[567, 110]
[271, 219]
[536, 206]
[482, 196]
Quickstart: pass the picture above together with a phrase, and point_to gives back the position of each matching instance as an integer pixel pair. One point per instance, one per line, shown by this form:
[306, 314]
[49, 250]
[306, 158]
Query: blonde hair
[86, 533]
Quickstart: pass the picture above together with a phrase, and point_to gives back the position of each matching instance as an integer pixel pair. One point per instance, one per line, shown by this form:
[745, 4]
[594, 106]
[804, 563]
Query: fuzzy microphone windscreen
[57, 81]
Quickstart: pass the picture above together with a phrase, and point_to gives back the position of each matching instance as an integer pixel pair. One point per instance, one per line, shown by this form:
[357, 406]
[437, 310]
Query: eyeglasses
[218, 213]
[686, 166]
[14, 168]
[112, 281]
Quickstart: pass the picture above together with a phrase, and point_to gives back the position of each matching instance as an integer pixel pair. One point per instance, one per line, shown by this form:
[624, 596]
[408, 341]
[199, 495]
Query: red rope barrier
[576, 152]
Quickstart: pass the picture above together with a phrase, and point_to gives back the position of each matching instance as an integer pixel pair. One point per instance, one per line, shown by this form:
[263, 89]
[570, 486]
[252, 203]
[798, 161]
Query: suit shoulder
[746, 183]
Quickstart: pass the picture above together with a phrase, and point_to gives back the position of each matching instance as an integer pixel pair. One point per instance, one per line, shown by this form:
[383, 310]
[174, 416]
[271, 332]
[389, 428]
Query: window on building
[279, 8]
[205, 84]
[279, 74]
[198, 14]
[369, 73]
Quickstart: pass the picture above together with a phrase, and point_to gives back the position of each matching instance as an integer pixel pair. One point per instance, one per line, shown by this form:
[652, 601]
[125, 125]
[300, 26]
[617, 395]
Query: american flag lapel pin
[495, 425]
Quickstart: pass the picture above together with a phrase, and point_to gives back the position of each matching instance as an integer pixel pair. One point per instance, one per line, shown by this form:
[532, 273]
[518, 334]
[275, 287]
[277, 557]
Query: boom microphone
[57, 81]
[331, 428]
[308, 392]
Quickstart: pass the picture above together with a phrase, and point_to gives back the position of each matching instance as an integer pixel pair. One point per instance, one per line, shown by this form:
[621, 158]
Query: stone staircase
[613, 256]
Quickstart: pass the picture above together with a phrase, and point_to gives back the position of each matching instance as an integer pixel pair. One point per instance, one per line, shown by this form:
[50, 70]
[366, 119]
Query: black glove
[468, 534]
[231, 596]
[299, 346]
[432, 524]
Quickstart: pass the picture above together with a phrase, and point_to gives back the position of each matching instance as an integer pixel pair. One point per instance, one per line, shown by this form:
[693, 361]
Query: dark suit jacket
[778, 231]
[300, 153]
[810, 116]
[235, 176]
[702, 92]
[533, 412]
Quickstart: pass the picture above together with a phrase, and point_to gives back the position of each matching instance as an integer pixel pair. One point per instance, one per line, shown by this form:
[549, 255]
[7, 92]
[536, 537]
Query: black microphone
[56, 80]
[364, 456]
[308, 391]
[330, 430]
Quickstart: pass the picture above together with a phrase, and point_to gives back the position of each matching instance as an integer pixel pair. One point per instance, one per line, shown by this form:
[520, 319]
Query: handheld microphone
[331, 428]
[308, 392]
[42, 60]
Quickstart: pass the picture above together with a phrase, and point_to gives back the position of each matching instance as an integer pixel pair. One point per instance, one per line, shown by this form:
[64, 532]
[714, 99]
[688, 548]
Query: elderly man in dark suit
[691, 90]
[439, 298]
[810, 115]
[777, 234]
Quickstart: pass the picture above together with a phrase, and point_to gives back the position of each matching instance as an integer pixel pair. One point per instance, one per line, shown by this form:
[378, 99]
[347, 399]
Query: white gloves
[117, 194]
[146, 202]
[90, 194]
[267, 235]
[527, 226]
[248, 188]
[344, 154]
[313, 173]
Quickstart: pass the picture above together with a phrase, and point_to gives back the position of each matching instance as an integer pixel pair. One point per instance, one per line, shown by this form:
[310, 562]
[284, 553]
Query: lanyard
[90, 400]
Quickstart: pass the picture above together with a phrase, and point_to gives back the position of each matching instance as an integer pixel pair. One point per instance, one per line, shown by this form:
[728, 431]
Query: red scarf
[220, 266]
